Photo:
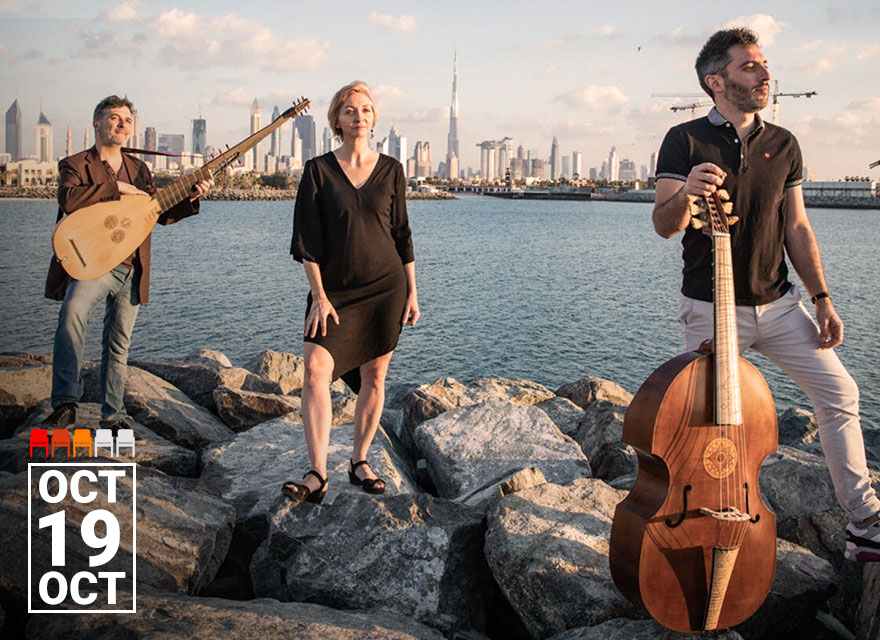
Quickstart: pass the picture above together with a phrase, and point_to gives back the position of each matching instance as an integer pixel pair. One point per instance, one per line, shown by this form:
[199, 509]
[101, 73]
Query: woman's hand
[318, 312]
[411, 311]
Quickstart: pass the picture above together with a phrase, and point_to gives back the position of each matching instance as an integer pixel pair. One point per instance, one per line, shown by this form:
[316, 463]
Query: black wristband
[819, 296]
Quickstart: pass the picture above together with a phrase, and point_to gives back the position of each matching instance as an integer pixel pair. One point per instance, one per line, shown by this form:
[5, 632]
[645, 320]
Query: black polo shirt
[759, 169]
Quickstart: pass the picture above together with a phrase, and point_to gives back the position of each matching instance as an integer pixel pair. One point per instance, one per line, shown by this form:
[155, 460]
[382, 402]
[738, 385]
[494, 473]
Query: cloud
[550, 70]
[678, 37]
[30, 54]
[4, 49]
[815, 66]
[125, 12]
[764, 25]
[386, 94]
[104, 43]
[868, 105]
[868, 52]
[9, 6]
[193, 41]
[594, 97]
[606, 31]
[235, 97]
[404, 23]
[422, 116]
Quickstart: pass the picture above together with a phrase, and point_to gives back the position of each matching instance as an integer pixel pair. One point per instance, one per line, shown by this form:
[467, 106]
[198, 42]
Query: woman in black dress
[351, 232]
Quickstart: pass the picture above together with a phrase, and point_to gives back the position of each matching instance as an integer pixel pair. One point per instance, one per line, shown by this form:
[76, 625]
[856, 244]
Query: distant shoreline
[49, 193]
[812, 202]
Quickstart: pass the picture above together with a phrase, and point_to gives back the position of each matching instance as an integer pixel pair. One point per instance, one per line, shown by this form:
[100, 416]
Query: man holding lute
[103, 174]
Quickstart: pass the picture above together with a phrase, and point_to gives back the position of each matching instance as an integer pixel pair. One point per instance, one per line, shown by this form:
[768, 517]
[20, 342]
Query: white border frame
[133, 534]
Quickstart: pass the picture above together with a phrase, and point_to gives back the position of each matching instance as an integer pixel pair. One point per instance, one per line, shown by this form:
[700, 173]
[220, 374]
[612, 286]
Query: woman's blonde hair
[339, 98]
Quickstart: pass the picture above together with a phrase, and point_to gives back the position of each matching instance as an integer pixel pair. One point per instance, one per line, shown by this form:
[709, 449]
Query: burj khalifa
[452, 154]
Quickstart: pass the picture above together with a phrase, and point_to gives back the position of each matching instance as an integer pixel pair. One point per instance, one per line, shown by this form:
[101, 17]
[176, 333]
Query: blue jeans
[120, 291]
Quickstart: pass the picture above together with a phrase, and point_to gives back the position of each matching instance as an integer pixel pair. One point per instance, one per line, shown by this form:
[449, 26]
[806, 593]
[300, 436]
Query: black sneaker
[62, 416]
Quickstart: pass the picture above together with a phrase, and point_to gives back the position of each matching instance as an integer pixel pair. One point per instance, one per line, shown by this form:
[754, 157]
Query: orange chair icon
[40, 440]
[60, 440]
[82, 438]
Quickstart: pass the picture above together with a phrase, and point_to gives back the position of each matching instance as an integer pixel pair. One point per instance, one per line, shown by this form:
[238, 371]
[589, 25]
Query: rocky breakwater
[494, 524]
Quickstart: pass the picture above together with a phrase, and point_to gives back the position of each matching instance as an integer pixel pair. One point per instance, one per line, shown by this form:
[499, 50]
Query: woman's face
[356, 116]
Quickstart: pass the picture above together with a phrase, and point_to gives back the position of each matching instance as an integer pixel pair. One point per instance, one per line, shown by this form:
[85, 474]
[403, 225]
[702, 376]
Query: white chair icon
[125, 438]
[104, 438]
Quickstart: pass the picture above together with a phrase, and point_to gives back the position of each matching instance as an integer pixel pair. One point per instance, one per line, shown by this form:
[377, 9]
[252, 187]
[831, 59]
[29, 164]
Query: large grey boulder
[797, 486]
[429, 400]
[801, 586]
[198, 379]
[564, 413]
[183, 532]
[250, 469]
[414, 555]
[624, 629]
[868, 615]
[241, 410]
[485, 497]
[599, 435]
[24, 381]
[209, 356]
[162, 408]
[548, 549]
[172, 617]
[798, 428]
[286, 369]
[587, 390]
[151, 450]
[467, 447]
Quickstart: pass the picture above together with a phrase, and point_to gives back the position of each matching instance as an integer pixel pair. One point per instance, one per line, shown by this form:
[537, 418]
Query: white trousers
[785, 332]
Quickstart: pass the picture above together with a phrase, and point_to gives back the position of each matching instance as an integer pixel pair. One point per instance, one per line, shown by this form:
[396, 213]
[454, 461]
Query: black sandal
[302, 493]
[370, 485]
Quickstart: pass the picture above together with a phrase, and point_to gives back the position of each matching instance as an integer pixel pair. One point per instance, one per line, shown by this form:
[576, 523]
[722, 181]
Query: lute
[93, 240]
[694, 541]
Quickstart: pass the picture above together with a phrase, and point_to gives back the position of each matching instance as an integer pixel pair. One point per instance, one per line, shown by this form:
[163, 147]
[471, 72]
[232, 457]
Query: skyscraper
[135, 140]
[200, 136]
[275, 140]
[296, 146]
[327, 145]
[256, 119]
[69, 150]
[305, 124]
[13, 131]
[577, 164]
[45, 139]
[652, 167]
[613, 174]
[151, 140]
[452, 150]
[555, 160]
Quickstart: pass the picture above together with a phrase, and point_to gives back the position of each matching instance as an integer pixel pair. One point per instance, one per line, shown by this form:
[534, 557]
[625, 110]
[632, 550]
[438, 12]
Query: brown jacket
[83, 181]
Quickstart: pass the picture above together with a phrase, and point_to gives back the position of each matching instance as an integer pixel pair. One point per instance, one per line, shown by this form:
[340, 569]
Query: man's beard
[741, 97]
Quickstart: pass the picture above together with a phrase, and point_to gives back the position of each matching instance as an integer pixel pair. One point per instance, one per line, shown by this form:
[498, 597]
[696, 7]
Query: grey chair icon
[125, 438]
[104, 439]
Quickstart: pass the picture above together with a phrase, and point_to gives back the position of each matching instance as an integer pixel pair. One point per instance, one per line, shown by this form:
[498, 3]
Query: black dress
[360, 239]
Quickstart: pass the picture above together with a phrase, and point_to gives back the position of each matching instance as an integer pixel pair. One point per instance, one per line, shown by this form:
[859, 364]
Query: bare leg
[317, 410]
[368, 410]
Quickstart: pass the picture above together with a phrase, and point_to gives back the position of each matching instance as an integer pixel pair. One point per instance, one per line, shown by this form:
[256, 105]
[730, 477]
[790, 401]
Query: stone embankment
[49, 193]
[494, 525]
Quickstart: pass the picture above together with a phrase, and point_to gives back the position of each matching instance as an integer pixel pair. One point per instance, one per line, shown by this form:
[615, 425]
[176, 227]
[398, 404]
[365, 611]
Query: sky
[582, 71]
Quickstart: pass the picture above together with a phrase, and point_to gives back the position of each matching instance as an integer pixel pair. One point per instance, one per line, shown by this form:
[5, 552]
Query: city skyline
[586, 78]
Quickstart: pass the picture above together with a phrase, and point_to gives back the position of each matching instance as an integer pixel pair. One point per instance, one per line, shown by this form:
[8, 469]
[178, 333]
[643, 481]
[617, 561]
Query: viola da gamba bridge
[694, 541]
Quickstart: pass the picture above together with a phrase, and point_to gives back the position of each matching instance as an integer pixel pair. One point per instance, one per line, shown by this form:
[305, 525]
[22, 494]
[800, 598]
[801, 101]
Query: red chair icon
[60, 440]
[40, 440]
[82, 438]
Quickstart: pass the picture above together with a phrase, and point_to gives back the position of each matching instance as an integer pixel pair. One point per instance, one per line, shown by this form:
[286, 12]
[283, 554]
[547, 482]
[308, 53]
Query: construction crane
[776, 95]
[874, 164]
[693, 107]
